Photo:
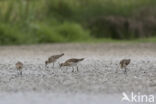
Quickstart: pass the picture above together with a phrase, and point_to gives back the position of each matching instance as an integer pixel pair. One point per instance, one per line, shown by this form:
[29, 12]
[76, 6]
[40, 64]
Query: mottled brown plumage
[19, 66]
[71, 63]
[53, 59]
[124, 63]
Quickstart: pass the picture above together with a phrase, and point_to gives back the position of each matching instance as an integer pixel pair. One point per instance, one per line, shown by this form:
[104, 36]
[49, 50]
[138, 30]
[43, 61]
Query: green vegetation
[49, 21]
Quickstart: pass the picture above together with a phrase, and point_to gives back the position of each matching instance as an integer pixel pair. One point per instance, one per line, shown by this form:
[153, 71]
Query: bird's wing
[73, 60]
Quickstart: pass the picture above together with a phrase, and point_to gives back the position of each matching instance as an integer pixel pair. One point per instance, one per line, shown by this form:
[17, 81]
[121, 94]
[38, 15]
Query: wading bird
[124, 63]
[53, 59]
[71, 63]
[19, 66]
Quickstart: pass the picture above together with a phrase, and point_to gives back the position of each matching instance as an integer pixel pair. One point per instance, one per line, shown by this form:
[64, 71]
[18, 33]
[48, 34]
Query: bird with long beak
[124, 63]
[71, 63]
[53, 59]
[19, 67]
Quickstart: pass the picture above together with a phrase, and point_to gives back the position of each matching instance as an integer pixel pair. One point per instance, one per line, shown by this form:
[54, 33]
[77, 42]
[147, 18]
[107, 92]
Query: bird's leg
[66, 68]
[59, 64]
[46, 68]
[77, 69]
[73, 69]
[20, 73]
[53, 64]
[125, 72]
[46, 65]
[17, 72]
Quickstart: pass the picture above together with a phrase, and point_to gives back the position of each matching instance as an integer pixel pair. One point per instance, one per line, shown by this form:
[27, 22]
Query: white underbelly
[72, 64]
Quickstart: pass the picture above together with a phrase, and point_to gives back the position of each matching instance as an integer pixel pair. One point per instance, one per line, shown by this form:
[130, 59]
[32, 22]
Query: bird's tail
[58, 56]
[81, 59]
[61, 54]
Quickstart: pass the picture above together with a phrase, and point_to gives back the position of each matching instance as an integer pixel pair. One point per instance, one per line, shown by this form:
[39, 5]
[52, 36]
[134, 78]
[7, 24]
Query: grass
[109, 40]
[51, 21]
[151, 39]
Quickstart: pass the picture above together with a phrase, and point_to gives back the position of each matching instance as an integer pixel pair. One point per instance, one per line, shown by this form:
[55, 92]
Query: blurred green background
[49, 21]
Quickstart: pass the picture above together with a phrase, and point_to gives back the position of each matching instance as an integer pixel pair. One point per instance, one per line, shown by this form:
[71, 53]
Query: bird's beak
[60, 65]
